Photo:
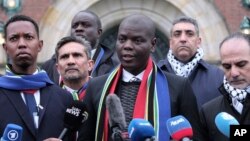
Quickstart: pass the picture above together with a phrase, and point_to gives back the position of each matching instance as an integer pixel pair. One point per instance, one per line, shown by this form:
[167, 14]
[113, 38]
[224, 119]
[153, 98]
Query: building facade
[216, 19]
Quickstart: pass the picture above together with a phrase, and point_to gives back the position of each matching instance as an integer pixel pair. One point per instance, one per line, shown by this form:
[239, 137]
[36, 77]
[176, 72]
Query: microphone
[141, 130]
[117, 120]
[223, 121]
[74, 116]
[12, 132]
[179, 128]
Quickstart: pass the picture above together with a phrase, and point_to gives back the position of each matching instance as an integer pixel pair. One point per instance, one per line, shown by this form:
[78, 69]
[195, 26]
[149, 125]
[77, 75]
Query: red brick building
[216, 18]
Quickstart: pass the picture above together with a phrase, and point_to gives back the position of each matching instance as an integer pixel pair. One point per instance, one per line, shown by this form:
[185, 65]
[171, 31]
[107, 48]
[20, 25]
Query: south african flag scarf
[152, 102]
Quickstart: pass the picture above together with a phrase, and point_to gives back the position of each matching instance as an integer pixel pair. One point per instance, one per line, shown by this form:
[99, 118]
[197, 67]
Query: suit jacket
[202, 75]
[107, 63]
[54, 101]
[222, 103]
[183, 102]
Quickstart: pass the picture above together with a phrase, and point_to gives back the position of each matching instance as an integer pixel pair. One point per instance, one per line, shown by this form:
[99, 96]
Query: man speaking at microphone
[144, 90]
[28, 97]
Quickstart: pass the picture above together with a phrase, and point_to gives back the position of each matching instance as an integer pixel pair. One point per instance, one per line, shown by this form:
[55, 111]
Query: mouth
[128, 57]
[71, 70]
[23, 54]
[80, 35]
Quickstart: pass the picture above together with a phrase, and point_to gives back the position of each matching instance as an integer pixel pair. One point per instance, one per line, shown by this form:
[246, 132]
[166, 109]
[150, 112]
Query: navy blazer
[54, 101]
[205, 80]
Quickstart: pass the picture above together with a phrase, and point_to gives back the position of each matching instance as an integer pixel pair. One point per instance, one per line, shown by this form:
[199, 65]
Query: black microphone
[117, 121]
[74, 116]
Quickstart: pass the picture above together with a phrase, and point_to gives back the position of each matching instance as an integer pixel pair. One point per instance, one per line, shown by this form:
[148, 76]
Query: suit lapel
[45, 95]
[18, 103]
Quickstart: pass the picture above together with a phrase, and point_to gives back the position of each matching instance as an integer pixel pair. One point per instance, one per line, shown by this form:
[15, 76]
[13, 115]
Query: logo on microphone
[176, 122]
[12, 135]
[74, 111]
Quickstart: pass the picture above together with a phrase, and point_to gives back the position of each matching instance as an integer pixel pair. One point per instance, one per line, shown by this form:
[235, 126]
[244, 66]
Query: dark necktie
[31, 104]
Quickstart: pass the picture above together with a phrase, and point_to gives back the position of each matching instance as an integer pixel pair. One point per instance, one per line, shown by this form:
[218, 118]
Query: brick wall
[233, 12]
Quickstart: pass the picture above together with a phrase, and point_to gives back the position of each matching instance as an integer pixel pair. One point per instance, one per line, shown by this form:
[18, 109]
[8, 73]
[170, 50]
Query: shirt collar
[126, 76]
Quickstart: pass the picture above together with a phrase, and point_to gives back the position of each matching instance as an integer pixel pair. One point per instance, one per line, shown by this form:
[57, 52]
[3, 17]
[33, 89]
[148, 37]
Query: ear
[170, 43]
[99, 31]
[90, 65]
[5, 47]
[199, 41]
[40, 45]
[57, 68]
[153, 43]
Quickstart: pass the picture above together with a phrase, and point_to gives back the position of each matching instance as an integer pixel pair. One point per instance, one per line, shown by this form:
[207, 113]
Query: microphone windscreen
[179, 127]
[75, 115]
[140, 130]
[223, 121]
[115, 111]
[12, 132]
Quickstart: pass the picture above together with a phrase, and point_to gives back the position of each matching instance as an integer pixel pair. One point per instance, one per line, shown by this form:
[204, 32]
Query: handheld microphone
[74, 116]
[141, 130]
[179, 128]
[223, 121]
[117, 120]
[12, 132]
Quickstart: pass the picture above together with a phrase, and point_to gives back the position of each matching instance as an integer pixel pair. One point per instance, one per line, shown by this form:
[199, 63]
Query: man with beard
[73, 55]
[28, 97]
[185, 59]
[87, 24]
[235, 88]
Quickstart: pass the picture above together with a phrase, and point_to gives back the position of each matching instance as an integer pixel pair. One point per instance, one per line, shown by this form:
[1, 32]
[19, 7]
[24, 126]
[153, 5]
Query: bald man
[144, 90]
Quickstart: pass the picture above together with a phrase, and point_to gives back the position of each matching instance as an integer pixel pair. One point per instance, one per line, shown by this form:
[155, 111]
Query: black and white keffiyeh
[182, 69]
[237, 95]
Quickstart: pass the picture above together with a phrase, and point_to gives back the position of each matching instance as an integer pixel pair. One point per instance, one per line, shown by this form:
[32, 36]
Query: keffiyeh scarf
[182, 69]
[24, 82]
[237, 95]
[152, 102]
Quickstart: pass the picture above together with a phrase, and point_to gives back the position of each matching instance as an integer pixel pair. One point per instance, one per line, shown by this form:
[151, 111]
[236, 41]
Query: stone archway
[56, 21]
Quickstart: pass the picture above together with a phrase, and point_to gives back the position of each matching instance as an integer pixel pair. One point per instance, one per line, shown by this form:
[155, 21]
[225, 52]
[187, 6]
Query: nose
[234, 72]
[71, 60]
[183, 37]
[22, 43]
[79, 27]
[128, 44]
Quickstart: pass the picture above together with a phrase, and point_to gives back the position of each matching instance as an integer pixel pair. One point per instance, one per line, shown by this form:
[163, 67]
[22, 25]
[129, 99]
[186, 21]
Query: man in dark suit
[156, 97]
[28, 97]
[87, 24]
[235, 88]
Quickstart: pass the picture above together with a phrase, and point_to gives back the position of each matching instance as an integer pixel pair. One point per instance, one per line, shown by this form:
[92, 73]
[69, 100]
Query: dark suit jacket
[183, 102]
[54, 101]
[222, 103]
[202, 75]
[107, 63]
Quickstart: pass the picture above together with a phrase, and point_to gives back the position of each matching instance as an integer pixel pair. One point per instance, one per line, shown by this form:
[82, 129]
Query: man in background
[185, 59]
[87, 24]
[73, 55]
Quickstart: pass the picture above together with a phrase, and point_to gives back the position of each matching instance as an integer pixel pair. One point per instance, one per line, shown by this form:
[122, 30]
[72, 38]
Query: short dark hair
[185, 19]
[16, 18]
[69, 39]
[98, 21]
[236, 35]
